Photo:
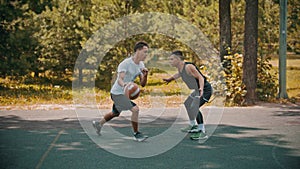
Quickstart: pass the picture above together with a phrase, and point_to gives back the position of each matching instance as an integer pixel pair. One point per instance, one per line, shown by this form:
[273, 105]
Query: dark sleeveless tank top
[190, 81]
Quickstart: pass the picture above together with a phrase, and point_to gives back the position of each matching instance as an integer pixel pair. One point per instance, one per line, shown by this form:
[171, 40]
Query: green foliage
[17, 45]
[266, 81]
[43, 38]
[293, 20]
[237, 25]
[268, 37]
[203, 15]
[60, 36]
[235, 89]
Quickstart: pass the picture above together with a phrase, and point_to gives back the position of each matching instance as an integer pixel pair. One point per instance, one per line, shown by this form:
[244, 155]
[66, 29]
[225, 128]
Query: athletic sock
[192, 122]
[201, 127]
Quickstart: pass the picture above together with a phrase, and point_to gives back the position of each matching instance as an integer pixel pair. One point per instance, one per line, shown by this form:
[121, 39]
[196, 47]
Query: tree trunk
[250, 50]
[80, 77]
[225, 27]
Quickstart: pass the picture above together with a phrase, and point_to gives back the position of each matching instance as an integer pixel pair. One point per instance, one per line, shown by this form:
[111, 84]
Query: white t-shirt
[131, 70]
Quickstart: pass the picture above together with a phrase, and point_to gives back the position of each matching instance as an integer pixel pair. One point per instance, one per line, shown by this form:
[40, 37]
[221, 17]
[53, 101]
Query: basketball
[132, 91]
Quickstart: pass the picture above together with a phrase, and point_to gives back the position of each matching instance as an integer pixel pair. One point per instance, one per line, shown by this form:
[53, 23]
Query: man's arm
[121, 76]
[174, 77]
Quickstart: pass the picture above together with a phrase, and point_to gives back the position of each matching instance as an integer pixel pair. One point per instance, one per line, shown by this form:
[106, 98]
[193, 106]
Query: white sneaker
[140, 137]
[97, 126]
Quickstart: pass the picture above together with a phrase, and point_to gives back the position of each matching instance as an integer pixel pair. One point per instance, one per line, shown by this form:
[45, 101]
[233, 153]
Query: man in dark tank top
[202, 92]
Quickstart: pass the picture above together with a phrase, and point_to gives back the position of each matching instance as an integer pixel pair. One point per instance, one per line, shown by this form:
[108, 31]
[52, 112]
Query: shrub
[233, 73]
[267, 87]
[236, 89]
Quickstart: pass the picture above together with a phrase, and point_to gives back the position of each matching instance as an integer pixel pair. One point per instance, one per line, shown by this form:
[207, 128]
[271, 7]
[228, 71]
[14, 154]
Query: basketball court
[254, 137]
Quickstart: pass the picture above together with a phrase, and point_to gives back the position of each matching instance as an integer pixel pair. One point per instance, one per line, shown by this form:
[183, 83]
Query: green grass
[292, 75]
[14, 93]
[293, 83]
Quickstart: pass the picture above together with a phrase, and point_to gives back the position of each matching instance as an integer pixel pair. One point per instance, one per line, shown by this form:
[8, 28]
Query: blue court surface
[262, 137]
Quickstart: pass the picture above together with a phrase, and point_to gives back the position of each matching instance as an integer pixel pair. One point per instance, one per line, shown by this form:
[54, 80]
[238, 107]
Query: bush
[233, 73]
[267, 87]
[236, 89]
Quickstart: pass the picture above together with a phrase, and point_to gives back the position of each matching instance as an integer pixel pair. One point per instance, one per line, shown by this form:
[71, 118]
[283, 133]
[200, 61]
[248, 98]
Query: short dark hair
[178, 53]
[140, 45]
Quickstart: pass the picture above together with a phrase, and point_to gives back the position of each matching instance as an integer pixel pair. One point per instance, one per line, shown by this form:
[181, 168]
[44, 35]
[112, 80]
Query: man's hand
[168, 80]
[143, 77]
[145, 71]
[200, 93]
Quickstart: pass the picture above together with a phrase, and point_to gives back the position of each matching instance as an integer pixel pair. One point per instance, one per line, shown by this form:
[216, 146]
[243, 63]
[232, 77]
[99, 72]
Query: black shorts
[207, 92]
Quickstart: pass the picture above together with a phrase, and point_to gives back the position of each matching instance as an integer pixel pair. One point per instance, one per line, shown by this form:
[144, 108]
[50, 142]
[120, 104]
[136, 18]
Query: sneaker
[97, 126]
[198, 136]
[189, 129]
[140, 137]
[194, 129]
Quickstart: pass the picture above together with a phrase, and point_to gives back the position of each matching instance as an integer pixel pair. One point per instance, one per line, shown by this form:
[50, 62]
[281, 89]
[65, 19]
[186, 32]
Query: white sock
[192, 122]
[201, 127]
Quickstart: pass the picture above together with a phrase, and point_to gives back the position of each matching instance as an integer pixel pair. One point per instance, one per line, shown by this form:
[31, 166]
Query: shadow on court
[62, 143]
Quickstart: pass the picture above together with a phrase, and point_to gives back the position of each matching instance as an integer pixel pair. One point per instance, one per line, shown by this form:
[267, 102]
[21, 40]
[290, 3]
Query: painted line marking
[48, 150]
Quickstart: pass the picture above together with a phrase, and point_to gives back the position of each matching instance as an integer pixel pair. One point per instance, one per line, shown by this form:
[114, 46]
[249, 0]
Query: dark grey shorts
[121, 103]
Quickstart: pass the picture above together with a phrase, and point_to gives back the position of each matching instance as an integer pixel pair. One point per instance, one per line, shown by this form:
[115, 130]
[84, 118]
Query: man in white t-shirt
[128, 70]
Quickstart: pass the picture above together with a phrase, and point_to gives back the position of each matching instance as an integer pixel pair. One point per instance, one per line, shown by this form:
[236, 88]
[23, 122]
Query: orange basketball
[132, 91]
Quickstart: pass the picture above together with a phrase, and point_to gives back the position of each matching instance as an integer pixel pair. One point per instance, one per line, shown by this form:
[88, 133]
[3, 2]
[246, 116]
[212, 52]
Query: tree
[17, 45]
[60, 36]
[250, 50]
[225, 27]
